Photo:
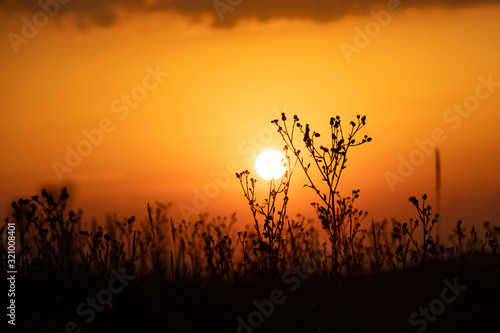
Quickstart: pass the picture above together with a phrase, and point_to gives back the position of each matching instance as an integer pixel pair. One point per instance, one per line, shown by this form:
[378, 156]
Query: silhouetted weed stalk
[270, 242]
[428, 247]
[52, 241]
[54, 244]
[338, 217]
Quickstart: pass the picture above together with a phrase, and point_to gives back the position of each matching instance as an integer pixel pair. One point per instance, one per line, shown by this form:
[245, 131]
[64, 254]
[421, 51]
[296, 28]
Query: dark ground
[373, 303]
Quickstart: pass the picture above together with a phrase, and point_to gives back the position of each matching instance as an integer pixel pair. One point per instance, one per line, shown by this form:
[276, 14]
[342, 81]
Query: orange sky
[225, 85]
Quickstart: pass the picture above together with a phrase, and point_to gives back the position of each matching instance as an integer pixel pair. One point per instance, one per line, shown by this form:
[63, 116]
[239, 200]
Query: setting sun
[270, 164]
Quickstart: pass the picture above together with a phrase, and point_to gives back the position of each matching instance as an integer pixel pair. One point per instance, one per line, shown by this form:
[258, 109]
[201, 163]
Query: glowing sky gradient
[192, 129]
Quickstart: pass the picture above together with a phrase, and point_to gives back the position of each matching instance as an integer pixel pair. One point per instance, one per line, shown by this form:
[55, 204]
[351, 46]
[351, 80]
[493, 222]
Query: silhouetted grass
[200, 275]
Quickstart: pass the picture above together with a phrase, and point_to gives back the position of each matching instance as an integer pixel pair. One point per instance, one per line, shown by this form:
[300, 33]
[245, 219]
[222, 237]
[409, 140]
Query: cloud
[105, 12]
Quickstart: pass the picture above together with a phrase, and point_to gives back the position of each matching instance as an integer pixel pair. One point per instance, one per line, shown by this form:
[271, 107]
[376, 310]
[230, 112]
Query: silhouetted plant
[269, 230]
[402, 234]
[329, 162]
[428, 247]
[302, 240]
[51, 240]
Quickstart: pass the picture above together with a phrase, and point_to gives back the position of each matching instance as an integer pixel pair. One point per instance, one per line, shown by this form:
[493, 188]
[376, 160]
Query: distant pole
[438, 188]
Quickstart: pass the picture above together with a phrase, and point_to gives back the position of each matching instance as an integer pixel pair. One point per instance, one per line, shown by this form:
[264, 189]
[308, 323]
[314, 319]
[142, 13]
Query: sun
[270, 164]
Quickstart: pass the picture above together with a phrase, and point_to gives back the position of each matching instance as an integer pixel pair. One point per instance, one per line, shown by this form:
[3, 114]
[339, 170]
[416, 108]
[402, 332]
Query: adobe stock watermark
[221, 7]
[453, 116]
[292, 278]
[425, 315]
[221, 179]
[97, 304]
[372, 29]
[48, 9]
[10, 247]
[95, 136]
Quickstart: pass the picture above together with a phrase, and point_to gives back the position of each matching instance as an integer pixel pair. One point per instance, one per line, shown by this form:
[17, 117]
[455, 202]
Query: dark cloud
[105, 12]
